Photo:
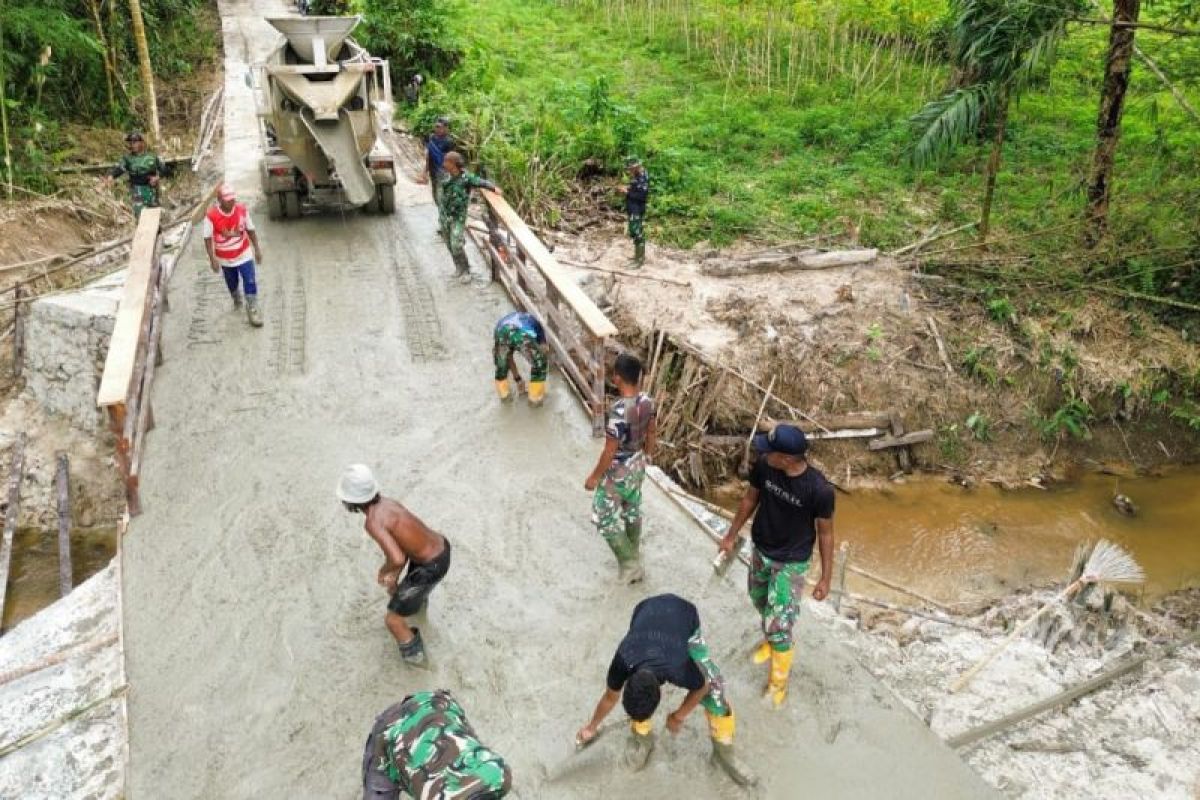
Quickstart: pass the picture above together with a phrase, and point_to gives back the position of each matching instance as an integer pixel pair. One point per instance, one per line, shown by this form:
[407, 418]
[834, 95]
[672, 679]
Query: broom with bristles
[1108, 563]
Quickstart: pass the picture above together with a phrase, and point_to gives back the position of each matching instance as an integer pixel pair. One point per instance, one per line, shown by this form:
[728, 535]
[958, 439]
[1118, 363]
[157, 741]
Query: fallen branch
[625, 273]
[903, 440]
[1150, 298]
[930, 237]
[51, 727]
[54, 659]
[90, 168]
[722, 268]
[941, 345]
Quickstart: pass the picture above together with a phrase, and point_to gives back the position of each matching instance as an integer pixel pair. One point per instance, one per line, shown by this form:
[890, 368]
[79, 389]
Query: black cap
[786, 439]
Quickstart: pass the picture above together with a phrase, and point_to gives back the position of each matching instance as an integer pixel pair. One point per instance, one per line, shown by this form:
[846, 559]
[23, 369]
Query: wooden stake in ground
[1108, 563]
[146, 70]
[63, 479]
[758, 419]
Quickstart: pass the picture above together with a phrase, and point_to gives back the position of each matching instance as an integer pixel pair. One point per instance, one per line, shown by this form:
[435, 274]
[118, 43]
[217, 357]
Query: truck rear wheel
[275, 205]
[372, 205]
[291, 203]
[387, 199]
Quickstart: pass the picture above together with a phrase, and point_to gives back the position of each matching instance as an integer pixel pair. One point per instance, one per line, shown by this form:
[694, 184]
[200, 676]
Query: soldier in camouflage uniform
[454, 197]
[424, 747]
[616, 481]
[522, 332]
[636, 194]
[144, 169]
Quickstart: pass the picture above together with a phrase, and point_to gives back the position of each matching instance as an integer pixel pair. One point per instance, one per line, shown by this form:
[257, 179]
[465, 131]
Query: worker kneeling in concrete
[520, 332]
[406, 542]
[664, 645]
[423, 747]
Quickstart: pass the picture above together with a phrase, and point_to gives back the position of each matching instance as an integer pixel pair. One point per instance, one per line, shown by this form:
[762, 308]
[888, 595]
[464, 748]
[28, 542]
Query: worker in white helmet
[405, 541]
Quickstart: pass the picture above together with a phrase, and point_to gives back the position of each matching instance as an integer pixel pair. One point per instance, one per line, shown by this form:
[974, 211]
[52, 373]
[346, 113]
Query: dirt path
[256, 650]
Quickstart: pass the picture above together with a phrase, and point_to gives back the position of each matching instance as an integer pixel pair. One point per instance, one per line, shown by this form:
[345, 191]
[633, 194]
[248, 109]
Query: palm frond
[948, 121]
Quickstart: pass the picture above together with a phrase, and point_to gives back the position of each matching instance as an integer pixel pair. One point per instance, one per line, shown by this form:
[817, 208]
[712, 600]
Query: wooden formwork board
[124, 345]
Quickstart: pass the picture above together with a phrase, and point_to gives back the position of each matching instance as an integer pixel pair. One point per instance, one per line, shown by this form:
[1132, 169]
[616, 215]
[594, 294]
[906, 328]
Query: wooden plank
[903, 440]
[11, 515]
[123, 347]
[62, 479]
[144, 418]
[593, 319]
[720, 440]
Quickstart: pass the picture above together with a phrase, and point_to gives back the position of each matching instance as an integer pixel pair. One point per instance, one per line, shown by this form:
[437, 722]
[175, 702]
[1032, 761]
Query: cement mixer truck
[324, 104]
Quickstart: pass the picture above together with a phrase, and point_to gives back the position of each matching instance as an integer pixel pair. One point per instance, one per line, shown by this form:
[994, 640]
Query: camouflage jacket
[140, 167]
[431, 751]
[455, 193]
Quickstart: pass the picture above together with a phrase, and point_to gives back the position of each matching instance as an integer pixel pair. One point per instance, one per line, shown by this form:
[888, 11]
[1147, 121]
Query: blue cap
[786, 439]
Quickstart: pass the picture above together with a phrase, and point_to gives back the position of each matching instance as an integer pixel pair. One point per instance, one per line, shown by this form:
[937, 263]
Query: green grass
[731, 160]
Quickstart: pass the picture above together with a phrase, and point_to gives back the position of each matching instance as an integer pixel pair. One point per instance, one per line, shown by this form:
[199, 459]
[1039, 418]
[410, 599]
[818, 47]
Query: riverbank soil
[1005, 403]
[256, 649]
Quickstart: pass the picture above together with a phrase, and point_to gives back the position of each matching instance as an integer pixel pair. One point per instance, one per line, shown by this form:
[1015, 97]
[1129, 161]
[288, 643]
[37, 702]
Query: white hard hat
[357, 485]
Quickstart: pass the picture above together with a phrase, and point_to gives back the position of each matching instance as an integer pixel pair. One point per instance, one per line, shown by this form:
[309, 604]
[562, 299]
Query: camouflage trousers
[424, 747]
[142, 196]
[637, 230]
[617, 506]
[454, 231]
[714, 702]
[775, 589]
[538, 363]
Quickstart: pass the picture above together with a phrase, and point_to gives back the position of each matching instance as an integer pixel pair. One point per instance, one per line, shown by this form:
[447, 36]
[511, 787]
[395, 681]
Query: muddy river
[956, 544]
[944, 541]
[33, 581]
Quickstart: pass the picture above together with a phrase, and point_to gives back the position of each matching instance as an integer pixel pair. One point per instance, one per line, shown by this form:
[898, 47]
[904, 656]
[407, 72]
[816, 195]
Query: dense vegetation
[772, 120]
[75, 61]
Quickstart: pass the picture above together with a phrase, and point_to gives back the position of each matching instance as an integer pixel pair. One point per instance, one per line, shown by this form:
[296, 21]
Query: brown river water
[941, 540]
[957, 544]
[33, 576]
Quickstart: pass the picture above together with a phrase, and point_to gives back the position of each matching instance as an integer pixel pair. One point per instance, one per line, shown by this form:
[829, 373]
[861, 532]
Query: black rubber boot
[413, 652]
[639, 254]
[724, 757]
[462, 269]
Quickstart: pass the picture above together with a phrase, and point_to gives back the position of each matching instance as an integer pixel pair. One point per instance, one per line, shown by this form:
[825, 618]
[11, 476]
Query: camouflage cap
[135, 136]
[633, 161]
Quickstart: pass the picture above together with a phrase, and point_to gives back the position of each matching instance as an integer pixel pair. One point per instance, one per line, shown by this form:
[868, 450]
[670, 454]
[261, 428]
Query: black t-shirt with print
[658, 641]
[785, 526]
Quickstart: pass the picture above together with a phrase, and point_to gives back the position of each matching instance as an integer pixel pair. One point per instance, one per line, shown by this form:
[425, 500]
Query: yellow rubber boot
[537, 392]
[639, 746]
[503, 390]
[762, 653]
[643, 728]
[781, 667]
[721, 729]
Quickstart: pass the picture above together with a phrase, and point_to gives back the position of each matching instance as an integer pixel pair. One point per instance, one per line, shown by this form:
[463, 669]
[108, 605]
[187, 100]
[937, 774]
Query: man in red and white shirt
[228, 237]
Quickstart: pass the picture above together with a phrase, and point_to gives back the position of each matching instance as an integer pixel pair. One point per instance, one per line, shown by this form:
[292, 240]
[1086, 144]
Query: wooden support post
[11, 515]
[903, 461]
[62, 479]
[598, 389]
[18, 331]
[843, 558]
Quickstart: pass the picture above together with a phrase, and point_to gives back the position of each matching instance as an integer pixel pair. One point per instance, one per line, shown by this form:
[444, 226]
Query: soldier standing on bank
[145, 170]
[635, 207]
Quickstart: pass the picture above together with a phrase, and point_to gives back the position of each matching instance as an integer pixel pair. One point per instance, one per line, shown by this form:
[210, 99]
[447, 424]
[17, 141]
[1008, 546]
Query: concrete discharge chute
[323, 105]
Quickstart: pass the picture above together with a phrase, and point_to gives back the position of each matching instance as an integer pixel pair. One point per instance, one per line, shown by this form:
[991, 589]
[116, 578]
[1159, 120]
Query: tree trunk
[8, 166]
[993, 165]
[147, 71]
[109, 69]
[1117, 67]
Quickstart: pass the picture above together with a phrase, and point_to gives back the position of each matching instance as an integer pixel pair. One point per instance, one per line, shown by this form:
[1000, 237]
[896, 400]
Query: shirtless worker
[664, 645]
[795, 510]
[405, 541]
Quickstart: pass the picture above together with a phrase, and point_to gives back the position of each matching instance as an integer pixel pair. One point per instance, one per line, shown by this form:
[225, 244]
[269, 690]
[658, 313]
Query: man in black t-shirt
[664, 645]
[795, 510]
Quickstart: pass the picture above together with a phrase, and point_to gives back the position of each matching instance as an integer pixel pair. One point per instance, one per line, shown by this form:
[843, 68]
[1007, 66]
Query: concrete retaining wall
[66, 340]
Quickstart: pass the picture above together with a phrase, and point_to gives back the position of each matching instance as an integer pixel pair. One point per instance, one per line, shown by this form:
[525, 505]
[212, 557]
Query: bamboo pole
[1069, 695]
[146, 70]
[757, 419]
